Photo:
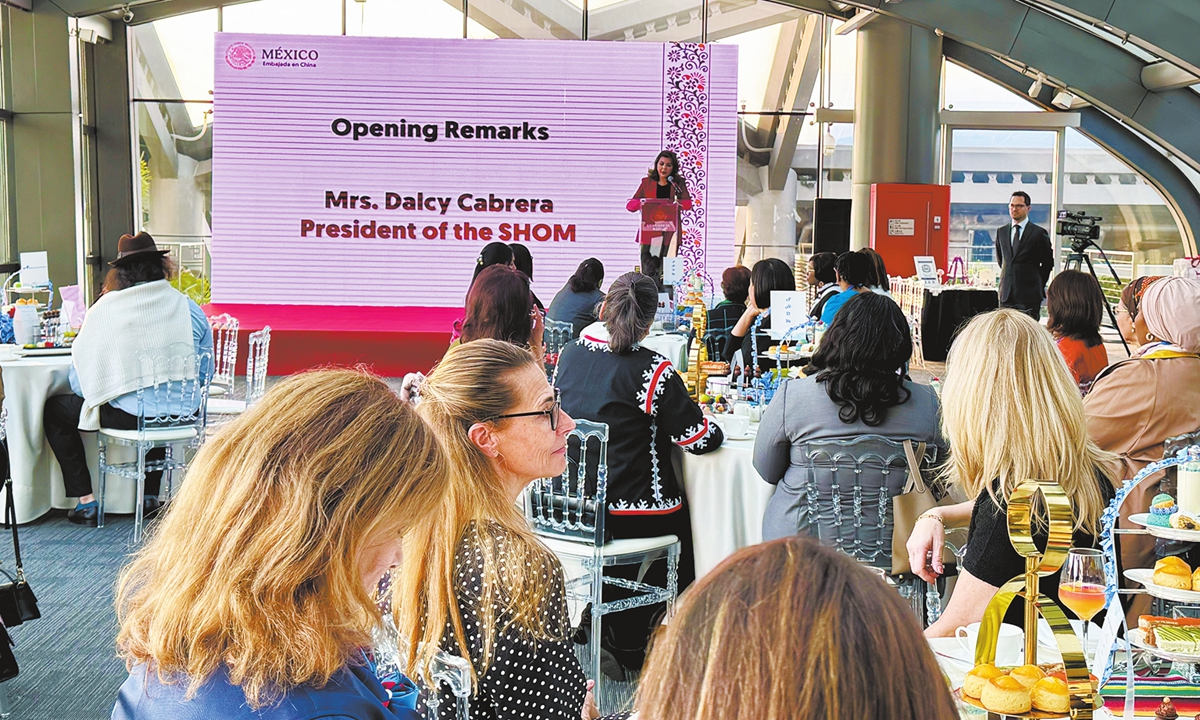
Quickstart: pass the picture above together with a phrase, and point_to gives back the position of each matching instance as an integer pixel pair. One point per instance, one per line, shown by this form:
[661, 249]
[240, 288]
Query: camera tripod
[1076, 260]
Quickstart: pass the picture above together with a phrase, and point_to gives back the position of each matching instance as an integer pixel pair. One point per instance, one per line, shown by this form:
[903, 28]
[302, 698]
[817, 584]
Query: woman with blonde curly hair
[790, 629]
[486, 589]
[1011, 412]
[253, 597]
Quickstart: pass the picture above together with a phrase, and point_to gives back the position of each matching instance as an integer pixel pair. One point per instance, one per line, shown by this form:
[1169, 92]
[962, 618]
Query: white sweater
[122, 327]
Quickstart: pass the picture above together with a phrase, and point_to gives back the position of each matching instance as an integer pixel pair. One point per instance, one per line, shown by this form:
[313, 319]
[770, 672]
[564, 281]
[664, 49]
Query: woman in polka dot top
[477, 583]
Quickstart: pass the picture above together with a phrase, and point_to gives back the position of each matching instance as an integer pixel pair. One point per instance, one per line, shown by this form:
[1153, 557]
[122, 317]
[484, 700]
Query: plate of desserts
[1174, 639]
[1166, 520]
[1171, 579]
[1027, 691]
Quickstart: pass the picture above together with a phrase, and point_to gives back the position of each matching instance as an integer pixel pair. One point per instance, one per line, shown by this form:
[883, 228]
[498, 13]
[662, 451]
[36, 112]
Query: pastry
[1006, 695]
[1149, 624]
[1171, 572]
[1196, 579]
[978, 677]
[1027, 675]
[1166, 710]
[1050, 695]
[1176, 639]
[1161, 509]
[1184, 521]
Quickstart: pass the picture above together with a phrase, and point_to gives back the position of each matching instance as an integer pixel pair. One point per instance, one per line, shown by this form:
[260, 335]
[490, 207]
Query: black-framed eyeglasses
[551, 413]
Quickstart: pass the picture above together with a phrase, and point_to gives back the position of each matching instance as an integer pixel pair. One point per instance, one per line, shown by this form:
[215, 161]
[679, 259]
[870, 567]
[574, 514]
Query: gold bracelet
[932, 516]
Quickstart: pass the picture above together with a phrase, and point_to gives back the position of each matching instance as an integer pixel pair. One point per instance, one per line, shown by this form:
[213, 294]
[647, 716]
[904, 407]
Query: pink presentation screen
[372, 171]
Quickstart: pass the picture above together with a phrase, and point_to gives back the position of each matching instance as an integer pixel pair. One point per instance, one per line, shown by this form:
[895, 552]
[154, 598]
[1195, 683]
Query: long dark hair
[141, 268]
[879, 274]
[767, 275]
[855, 269]
[629, 310]
[653, 172]
[861, 358]
[1075, 304]
[499, 307]
[587, 277]
[494, 253]
[522, 259]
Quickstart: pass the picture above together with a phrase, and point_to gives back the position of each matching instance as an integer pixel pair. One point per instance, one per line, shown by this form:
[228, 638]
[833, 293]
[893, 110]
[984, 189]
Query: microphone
[676, 181]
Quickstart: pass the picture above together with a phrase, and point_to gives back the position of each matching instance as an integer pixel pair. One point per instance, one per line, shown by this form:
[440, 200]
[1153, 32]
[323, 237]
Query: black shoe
[584, 629]
[151, 507]
[84, 515]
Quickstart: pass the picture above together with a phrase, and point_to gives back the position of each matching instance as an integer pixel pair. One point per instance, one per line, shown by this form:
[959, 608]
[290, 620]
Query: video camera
[1082, 229]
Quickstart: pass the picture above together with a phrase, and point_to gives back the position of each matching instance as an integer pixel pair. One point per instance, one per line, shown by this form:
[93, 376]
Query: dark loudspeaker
[831, 226]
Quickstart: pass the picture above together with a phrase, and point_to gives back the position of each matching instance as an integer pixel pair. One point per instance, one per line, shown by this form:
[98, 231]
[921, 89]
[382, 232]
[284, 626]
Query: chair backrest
[175, 387]
[225, 340]
[848, 490]
[258, 348]
[572, 504]
[556, 337]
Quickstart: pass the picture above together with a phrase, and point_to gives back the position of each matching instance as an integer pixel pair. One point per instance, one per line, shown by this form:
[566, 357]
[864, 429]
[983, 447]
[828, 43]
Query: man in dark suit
[1026, 258]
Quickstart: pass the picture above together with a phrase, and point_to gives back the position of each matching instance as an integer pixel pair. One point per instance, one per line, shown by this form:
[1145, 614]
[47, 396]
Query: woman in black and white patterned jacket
[609, 377]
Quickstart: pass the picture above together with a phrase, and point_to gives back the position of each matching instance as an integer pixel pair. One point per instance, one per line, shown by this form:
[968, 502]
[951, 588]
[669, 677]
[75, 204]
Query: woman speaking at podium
[662, 182]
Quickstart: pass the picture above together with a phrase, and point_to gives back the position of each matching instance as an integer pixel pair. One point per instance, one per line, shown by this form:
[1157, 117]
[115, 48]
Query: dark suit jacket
[1023, 277]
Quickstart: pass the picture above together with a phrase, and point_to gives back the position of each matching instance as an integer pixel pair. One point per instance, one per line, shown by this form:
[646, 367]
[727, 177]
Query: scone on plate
[978, 677]
[1196, 579]
[1171, 572]
[1050, 695]
[1006, 695]
[1027, 675]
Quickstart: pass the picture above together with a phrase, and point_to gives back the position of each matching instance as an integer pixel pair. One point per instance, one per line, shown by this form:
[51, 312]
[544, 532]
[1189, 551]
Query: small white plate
[36, 352]
[1166, 533]
[1145, 576]
[1137, 638]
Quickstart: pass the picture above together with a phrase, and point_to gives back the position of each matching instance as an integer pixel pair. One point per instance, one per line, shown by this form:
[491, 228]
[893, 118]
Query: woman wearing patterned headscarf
[1131, 301]
[1136, 404]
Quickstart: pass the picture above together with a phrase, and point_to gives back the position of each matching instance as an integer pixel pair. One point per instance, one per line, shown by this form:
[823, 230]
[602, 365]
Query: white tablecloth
[672, 346]
[37, 477]
[727, 498]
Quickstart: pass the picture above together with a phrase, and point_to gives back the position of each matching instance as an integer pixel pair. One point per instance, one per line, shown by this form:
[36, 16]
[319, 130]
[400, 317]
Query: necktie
[1016, 237]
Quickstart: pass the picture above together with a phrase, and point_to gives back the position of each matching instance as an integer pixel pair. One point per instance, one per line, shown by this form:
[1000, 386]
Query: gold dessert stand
[1021, 521]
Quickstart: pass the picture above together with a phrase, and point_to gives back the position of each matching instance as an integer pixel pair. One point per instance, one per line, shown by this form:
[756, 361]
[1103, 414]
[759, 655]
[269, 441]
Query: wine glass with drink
[1081, 586]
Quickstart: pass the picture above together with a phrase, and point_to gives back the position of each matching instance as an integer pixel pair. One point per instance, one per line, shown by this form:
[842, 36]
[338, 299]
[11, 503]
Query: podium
[660, 216]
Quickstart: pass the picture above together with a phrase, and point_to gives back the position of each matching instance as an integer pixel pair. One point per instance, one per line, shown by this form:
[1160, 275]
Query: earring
[1150, 336]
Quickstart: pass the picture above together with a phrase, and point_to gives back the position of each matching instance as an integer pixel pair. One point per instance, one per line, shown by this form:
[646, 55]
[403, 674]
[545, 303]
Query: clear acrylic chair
[846, 503]
[225, 351]
[556, 337]
[222, 409]
[567, 512]
[171, 412]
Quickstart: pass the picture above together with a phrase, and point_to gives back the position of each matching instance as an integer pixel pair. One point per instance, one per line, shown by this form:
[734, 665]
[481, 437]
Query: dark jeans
[652, 262]
[61, 422]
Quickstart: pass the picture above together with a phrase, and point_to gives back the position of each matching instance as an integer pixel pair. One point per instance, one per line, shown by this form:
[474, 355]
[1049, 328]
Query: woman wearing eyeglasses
[609, 377]
[484, 587]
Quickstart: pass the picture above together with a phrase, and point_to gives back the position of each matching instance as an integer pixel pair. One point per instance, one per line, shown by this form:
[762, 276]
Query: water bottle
[1188, 485]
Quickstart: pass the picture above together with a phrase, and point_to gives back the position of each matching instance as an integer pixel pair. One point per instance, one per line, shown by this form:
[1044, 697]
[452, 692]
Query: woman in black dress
[608, 377]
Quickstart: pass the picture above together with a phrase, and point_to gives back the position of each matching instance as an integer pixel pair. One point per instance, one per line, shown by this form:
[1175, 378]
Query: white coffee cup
[735, 425]
[1010, 645]
[1046, 635]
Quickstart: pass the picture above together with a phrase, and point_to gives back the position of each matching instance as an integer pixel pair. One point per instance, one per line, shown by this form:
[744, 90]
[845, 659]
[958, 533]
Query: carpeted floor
[69, 668]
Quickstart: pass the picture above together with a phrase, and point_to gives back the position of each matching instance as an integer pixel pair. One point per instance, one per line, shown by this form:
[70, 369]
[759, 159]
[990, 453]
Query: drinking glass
[1081, 586]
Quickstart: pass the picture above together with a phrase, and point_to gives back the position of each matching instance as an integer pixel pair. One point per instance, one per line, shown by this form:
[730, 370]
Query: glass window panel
[173, 57]
[294, 17]
[841, 58]
[1138, 227]
[654, 21]
[962, 89]
[979, 200]
[838, 147]
[757, 48]
[5, 246]
[528, 19]
[404, 18]
[175, 163]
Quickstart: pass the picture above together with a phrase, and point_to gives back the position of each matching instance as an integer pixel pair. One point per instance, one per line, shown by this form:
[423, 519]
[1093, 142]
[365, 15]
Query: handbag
[18, 604]
[917, 499]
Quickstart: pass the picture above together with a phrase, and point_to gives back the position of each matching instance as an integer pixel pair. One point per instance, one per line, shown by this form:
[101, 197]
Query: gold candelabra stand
[1037, 565]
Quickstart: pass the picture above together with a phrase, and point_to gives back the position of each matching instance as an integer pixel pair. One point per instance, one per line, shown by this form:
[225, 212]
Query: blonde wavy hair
[1011, 411]
[255, 568]
[789, 629]
[472, 384]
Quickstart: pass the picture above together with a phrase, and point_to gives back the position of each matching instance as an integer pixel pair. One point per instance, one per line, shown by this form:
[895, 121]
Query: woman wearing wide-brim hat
[138, 315]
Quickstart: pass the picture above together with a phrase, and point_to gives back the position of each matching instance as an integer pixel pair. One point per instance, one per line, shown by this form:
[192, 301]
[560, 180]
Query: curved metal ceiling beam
[1181, 195]
[1167, 28]
[1093, 68]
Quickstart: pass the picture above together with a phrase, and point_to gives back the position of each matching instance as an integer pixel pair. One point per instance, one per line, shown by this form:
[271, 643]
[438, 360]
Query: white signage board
[35, 269]
[902, 227]
[926, 270]
[789, 310]
[672, 271]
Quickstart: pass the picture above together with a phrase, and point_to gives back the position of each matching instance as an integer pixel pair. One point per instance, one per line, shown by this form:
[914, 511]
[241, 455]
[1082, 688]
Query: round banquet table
[672, 346]
[727, 498]
[37, 477]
